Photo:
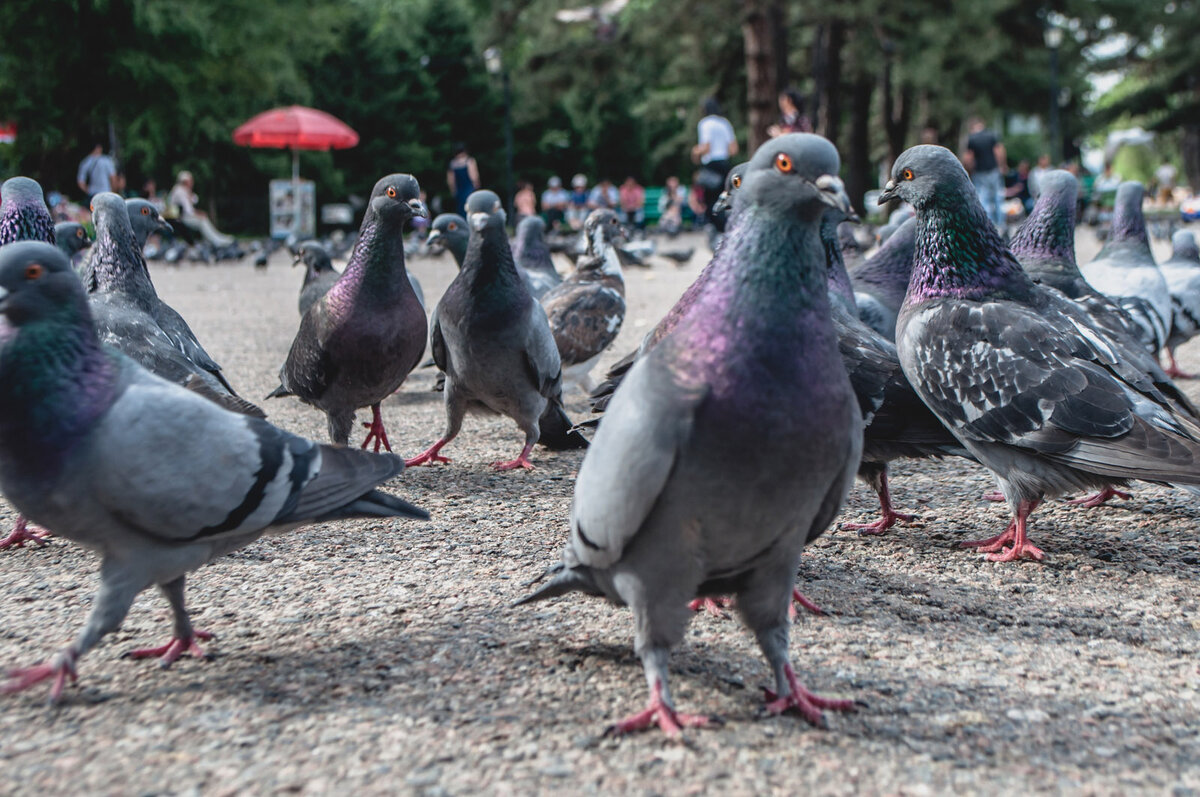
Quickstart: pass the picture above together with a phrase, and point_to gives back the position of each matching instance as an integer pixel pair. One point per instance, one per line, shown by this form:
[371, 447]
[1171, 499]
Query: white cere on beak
[478, 221]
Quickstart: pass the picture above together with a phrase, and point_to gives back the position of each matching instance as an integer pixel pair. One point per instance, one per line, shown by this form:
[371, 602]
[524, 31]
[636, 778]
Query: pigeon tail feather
[557, 430]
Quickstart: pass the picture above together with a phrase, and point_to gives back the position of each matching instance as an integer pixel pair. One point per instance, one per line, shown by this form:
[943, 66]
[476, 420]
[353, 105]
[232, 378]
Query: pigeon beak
[478, 221]
[165, 226]
[722, 203]
[889, 192]
[418, 208]
[833, 192]
[3, 296]
[434, 237]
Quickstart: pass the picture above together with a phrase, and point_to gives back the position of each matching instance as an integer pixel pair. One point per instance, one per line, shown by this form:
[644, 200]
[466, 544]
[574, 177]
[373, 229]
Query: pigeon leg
[522, 460]
[798, 597]
[184, 639]
[1173, 369]
[714, 606]
[887, 513]
[1014, 535]
[992, 543]
[22, 534]
[429, 455]
[1102, 497]
[455, 410]
[117, 591]
[375, 431]
[788, 694]
[659, 710]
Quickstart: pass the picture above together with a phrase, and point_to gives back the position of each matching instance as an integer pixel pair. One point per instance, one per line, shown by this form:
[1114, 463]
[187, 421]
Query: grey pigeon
[145, 220]
[724, 202]
[703, 479]
[23, 212]
[881, 280]
[71, 238]
[23, 217]
[587, 308]
[532, 256]
[1182, 273]
[493, 340]
[357, 344]
[449, 233]
[1125, 270]
[155, 479]
[124, 303]
[1026, 380]
[319, 273]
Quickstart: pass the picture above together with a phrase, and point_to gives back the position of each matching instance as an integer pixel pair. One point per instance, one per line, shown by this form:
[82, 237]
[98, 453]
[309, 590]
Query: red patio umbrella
[296, 128]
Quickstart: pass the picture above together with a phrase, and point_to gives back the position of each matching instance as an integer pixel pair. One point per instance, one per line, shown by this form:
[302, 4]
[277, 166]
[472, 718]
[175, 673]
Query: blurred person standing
[462, 176]
[791, 118]
[986, 160]
[98, 173]
[633, 201]
[716, 145]
[555, 200]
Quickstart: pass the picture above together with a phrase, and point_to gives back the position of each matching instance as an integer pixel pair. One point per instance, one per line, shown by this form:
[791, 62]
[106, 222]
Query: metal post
[1055, 133]
[508, 147]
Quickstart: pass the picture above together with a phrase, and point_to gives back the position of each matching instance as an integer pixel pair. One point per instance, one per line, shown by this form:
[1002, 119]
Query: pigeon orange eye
[907, 174]
[79, 233]
[451, 226]
[145, 211]
[737, 180]
[783, 163]
[391, 192]
[34, 271]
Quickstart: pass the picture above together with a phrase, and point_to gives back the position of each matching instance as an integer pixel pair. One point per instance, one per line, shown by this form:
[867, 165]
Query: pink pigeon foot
[1102, 497]
[430, 455]
[1014, 536]
[375, 431]
[805, 702]
[668, 719]
[60, 668]
[169, 653]
[714, 606]
[887, 519]
[993, 495]
[522, 461]
[798, 597]
[1173, 369]
[22, 534]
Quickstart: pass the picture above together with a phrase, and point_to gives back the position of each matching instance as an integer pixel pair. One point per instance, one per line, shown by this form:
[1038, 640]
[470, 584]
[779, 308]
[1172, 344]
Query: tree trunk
[1190, 149]
[779, 44]
[896, 120]
[818, 75]
[831, 103]
[858, 161]
[761, 81]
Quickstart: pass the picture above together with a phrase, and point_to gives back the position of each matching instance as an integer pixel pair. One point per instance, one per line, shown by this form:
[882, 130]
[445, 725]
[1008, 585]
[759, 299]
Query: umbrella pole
[295, 190]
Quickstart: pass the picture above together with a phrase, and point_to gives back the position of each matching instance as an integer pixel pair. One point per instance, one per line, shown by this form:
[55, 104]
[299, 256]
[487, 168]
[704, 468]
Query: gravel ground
[383, 657]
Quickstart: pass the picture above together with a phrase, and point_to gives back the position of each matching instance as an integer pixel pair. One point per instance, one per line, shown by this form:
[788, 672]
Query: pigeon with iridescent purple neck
[23, 212]
[881, 280]
[359, 342]
[155, 479]
[703, 479]
[1125, 270]
[1027, 381]
[1182, 273]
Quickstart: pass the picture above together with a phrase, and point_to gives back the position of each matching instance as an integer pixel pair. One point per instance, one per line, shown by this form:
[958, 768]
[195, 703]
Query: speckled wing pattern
[585, 318]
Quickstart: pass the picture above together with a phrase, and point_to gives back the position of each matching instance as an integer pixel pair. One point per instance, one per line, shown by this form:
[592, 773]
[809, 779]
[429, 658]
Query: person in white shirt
[181, 205]
[716, 146]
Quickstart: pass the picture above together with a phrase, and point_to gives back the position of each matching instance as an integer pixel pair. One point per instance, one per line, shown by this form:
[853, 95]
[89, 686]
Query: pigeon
[703, 479]
[532, 257]
[587, 308]
[852, 251]
[23, 212]
[24, 216]
[1182, 273]
[156, 479]
[493, 340]
[894, 222]
[123, 302]
[145, 220]
[881, 280]
[1125, 270]
[449, 233]
[71, 238]
[724, 202]
[358, 343]
[1025, 379]
[319, 273]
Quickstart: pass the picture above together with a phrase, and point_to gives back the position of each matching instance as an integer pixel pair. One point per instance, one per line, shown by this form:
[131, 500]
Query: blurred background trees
[166, 81]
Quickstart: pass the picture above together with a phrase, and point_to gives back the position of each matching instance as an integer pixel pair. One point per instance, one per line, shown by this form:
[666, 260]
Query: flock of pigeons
[721, 446]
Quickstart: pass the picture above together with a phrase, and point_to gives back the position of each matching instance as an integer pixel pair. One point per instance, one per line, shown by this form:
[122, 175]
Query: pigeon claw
[886, 520]
[804, 702]
[1102, 497]
[376, 432]
[427, 456]
[513, 464]
[169, 653]
[670, 721]
[798, 597]
[60, 668]
[1019, 550]
[22, 535]
[714, 606]
[993, 495]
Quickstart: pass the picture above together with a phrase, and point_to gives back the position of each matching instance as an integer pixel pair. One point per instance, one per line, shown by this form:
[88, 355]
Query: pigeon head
[398, 196]
[1128, 223]
[602, 228]
[790, 171]
[530, 230]
[23, 212]
[36, 282]
[71, 237]
[314, 256]
[1049, 232]
[145, 220]
[449, 231]
[733, 181]
[484, 211]
[1183, 246]
[926, 175]
[111, 218]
